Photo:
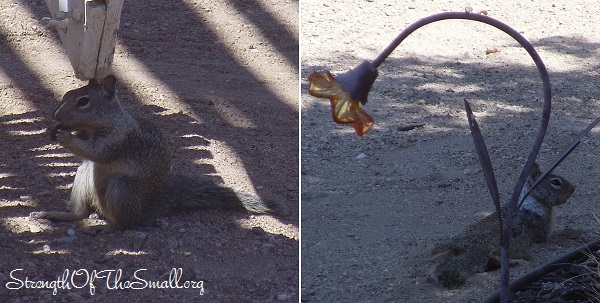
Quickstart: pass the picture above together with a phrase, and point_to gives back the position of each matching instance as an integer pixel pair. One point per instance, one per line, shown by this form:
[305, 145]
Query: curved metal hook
[512, 206]
[528, 47]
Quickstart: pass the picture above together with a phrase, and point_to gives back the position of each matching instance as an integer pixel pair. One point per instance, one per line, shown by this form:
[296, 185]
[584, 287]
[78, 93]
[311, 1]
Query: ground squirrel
[126, 173]
[478, 248]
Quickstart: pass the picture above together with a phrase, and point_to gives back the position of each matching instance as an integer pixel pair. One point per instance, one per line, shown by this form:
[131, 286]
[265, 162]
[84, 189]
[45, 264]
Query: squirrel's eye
[83, 102]
[555, 182]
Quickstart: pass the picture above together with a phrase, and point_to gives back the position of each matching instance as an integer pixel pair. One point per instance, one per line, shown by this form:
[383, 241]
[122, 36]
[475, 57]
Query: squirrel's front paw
[51, 131]
[63, 135]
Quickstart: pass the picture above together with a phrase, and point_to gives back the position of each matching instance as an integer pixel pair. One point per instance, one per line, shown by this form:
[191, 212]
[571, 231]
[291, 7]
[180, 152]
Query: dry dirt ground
[221, 79]
[373, 206]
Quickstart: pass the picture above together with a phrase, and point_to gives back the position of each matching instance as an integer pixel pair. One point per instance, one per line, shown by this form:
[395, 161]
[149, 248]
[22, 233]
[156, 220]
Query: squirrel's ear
[108, 84]
[535, 171]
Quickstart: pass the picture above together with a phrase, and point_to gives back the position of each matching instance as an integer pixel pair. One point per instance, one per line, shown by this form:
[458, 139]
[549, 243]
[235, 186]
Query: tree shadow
[407, 82]
[578, 46]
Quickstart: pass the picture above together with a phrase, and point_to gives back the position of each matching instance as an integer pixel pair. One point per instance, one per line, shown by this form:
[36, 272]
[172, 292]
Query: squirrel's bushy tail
[454, 270]
[449, 275]
[184, 192]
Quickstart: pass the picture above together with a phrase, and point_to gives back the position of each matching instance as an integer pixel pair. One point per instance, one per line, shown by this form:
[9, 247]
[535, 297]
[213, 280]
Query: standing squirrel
[478, 248]
[126, 174]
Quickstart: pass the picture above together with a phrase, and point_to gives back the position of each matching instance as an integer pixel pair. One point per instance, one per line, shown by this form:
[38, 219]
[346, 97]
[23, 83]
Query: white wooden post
[88, 30]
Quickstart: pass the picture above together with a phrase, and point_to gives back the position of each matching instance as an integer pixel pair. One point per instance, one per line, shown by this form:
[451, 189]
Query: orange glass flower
[344, 109]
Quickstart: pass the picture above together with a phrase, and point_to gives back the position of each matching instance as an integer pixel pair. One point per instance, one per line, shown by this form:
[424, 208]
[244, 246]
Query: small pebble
[284, 296]
[34, 228]
[361, 156]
